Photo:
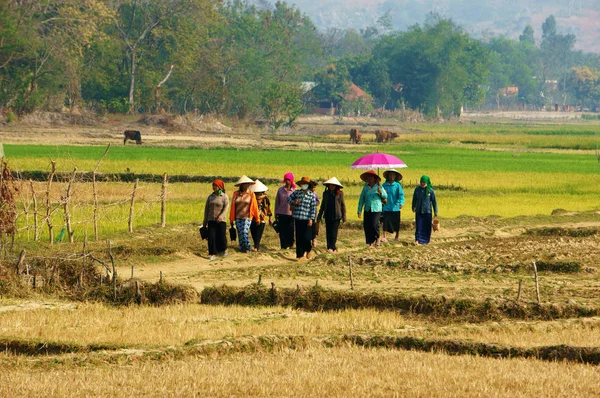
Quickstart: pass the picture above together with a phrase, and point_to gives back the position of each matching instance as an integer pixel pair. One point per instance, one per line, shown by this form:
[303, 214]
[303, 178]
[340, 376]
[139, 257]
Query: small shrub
[11, 117]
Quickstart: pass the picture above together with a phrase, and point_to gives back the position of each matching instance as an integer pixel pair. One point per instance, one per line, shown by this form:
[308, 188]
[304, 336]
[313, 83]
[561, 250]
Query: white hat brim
[258, 187]
[244, 180]
[333, 181]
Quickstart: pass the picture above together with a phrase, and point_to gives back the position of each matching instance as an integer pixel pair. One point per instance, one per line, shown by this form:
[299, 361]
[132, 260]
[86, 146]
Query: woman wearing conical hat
[264, 213]
[371, 199]
[395, 202]
[423, 204]
[244, 210]
[333, 209]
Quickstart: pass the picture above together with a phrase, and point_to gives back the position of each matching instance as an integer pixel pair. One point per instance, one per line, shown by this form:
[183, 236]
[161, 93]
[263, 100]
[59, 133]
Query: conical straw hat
[393, 171]
[243, 180]
[258, 187]
[333, 181]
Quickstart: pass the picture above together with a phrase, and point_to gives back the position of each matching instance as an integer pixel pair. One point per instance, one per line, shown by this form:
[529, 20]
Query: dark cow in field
[133, 135]
[355, 136]
[384, 136]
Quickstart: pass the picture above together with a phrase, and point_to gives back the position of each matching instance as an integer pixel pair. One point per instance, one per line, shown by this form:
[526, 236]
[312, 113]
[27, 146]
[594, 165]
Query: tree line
[238, 59]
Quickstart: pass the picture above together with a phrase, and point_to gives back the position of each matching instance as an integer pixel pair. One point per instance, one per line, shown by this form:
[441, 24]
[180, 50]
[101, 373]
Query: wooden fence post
[519, 292]
[114, 271]
[130, 222]
[66, 202]
[36, 232]
[163, 202]
[83, 258]
[350, 268]
[21, 260]
[537, 283]
[95, 192]
[48, 212]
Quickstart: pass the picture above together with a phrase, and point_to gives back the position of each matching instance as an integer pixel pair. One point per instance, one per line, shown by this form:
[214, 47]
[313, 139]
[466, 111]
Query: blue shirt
[395, 195]
[307, 209]
[422, 203]
[370, 198]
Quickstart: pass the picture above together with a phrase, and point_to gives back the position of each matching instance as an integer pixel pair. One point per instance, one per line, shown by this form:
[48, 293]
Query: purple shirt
[281, 204]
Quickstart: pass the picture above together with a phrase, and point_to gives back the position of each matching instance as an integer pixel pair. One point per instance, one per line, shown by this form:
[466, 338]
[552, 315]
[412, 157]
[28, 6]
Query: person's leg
[300, 228]
[221, 229]
[329, 234]
[286, 231]
[282, 222]
[212, 238]
[335, 224]
[259, 229]
[371, 227]
[375, 226]
[254, 233]
[366, 228]
[243, 229]
[309, 238]
[426, 236]
[423, 228]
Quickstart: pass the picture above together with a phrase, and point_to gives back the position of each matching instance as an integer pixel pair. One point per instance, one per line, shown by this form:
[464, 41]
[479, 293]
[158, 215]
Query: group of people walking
[299, 211]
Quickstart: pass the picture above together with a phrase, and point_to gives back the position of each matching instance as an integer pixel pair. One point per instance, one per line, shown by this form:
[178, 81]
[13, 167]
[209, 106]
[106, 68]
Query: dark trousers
[286, 230]
[423, 228]
[217, 237]
[331, 232]
[303, 237]
[371, 226]
[256, 230]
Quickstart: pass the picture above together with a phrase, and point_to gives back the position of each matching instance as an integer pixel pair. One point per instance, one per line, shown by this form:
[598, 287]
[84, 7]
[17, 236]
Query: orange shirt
[243, 205]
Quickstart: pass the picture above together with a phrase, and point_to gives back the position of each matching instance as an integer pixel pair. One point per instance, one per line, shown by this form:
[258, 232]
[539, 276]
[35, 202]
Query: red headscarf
[220, 184]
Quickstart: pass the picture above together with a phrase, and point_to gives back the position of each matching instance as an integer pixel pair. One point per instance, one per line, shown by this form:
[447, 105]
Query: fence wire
[77, 205]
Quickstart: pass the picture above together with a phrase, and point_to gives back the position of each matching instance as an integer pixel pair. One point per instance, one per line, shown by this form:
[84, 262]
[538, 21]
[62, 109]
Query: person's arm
[290, 199]
[277, 199]
[232, 208]
[343, 206]
[204, 220]
[361, 202]
[220, 216]
[254, 208]
[268, 210]
[383, 194]
[323, 206]
[434, 203]
[313, 210]
[414, 201]
[401, 197]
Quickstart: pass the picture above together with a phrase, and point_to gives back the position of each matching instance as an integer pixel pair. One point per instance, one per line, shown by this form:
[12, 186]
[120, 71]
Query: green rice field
[489, 178]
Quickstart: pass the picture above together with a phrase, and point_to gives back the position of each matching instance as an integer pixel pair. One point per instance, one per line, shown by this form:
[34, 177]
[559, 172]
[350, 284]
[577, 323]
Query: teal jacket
[395, 195]
[370, 198]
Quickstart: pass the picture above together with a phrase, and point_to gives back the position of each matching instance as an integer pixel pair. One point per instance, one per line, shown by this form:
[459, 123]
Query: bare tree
[135, 22]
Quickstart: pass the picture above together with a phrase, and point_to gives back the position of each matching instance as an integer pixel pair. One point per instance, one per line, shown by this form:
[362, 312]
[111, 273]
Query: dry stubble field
[475, 340]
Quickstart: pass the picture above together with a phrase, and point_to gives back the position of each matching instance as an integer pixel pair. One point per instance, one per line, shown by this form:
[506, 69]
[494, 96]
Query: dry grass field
[447, 319]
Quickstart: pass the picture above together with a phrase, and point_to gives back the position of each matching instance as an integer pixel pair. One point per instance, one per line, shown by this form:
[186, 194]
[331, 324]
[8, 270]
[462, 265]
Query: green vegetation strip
[39, 347]
[587, 355]
[440, 307]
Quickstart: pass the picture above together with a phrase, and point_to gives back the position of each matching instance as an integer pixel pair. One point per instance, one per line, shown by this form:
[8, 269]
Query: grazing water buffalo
[132, 135]
[355, 136]
[384, 136]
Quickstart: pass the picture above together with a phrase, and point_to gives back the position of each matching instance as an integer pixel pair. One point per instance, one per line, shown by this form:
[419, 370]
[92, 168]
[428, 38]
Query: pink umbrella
[378, 160]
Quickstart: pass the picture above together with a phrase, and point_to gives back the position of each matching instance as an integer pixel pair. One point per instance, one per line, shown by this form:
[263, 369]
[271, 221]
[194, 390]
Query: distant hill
[479, 17]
